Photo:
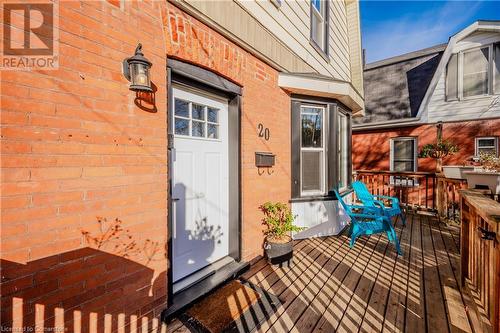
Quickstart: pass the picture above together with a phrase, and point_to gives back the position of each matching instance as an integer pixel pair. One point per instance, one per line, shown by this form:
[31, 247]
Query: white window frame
[488, 72]
[322, 18]
[493, 68]
[190, 120]
[404, 182]
[460, 73]
[339, 150]
[476, 144]
[322, 191]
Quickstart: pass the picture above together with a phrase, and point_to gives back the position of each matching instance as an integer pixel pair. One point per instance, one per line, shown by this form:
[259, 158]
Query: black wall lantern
[136, 70]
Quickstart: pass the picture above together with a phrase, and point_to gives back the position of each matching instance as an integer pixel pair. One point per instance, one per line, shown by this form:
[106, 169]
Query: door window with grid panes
[195, 120]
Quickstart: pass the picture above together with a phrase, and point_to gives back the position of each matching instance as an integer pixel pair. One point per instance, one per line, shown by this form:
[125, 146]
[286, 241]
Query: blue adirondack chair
[374, 201]
[367, 223]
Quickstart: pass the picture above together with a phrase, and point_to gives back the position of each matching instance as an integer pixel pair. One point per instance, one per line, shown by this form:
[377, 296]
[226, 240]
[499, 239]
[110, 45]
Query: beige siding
[354, 34]
[236, 23]
[282, 34]
[291, 24]
[473, 108]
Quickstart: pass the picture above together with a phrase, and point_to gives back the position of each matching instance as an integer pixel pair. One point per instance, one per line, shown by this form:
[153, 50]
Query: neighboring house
[457, 83]
[116, 206]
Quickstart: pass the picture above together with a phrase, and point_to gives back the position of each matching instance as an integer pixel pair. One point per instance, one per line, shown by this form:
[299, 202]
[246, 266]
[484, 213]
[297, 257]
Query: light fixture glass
[136, 70]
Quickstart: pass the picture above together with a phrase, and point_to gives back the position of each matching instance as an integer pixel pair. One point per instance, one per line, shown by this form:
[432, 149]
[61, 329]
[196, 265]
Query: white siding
[320, 218]
[474, 108]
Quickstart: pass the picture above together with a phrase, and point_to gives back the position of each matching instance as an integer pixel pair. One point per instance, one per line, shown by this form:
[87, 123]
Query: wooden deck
[332, 288]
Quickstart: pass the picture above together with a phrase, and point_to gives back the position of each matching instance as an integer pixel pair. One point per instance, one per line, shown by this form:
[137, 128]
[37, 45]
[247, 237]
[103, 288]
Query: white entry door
[200, 181]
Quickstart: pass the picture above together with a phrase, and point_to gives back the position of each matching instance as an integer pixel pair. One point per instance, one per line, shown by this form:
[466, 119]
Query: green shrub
[279, 221]
[439, 149]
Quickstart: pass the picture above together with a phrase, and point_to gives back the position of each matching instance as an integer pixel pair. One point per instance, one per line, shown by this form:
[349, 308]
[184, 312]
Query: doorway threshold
[193, 291]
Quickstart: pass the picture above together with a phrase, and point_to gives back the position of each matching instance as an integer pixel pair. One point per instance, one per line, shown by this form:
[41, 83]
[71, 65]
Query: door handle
[176, 199]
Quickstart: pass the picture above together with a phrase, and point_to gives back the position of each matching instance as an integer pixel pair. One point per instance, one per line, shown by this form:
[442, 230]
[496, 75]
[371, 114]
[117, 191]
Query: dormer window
[496, 68]
[473, 73]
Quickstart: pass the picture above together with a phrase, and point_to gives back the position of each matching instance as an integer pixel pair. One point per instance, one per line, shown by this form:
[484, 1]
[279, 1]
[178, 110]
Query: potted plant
[487, 176]
[438, 151]
[278, 219]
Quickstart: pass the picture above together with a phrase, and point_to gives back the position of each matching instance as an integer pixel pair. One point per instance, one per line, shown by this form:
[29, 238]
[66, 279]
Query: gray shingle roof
[395, 87]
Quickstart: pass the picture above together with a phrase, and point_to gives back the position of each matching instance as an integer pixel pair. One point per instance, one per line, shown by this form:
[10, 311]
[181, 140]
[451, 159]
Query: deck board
[396, 303]
[368, 288]
[415, 300]
[434, 300]
[373, 319]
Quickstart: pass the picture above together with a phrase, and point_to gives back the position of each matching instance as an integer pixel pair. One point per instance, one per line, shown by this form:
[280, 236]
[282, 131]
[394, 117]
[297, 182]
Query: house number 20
[263, 132]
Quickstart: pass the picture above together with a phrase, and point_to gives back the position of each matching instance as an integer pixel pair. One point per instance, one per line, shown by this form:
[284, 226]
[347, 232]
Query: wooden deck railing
[413, 189]
[419, 190]
[480, 258]
[447, 192]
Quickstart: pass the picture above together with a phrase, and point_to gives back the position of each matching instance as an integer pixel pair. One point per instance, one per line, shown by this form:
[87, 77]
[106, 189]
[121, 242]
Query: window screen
[452, 79]
[312, 149]
[312, 170]
[403, 154]
[475, 77]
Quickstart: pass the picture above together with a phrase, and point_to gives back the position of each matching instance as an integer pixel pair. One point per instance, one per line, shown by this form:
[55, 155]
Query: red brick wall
[263, 102]
[75, 147]
[371, 149]
[84, 174]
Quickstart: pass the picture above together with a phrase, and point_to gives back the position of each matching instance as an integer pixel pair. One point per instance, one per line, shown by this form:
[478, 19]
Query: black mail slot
[264, 159]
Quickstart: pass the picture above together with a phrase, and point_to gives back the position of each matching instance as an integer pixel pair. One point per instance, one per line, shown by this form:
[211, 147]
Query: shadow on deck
[333, 288]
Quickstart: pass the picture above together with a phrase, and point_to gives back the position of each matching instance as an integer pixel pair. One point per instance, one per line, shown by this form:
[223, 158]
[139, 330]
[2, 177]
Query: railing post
[480, 257]
[440, 191]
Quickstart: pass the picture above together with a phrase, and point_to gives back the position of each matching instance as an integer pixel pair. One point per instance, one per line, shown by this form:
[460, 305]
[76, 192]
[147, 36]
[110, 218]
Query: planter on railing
[480, 258]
